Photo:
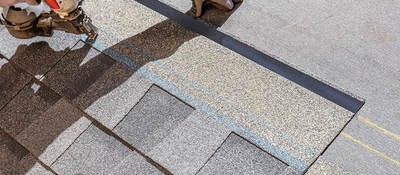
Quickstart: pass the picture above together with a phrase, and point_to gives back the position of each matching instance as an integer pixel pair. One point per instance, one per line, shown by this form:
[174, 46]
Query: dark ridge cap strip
[326, 91]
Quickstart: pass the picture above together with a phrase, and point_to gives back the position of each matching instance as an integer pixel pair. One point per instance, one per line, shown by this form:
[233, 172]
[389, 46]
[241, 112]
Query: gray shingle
[12, 79]
[135, 164]
[14, 158]
[44, 129]
[104, 88]
[152, 119]
[113, 106]
[42, 121]
[38, 169]
[65, 139]
[190, 144]
[34, 104]
[95, 152]
[77, 71]
[238, 156]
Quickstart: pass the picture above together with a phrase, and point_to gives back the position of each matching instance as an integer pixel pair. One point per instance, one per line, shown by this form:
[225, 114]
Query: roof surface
[160, 92]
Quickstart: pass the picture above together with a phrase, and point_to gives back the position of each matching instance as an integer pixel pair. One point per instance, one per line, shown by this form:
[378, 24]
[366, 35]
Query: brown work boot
[20, 23]
[228, 4]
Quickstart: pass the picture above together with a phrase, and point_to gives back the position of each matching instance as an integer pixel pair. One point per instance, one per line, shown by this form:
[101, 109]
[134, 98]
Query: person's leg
[67, 16]
[19, 23]
[72, 18]
[228, 4]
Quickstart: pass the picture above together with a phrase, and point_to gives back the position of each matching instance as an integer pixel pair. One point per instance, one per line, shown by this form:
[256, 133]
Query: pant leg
[19, 23]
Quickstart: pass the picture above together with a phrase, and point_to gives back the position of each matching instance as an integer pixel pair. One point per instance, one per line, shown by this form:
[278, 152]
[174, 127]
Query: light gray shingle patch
[112, 107]
[38, 169]
[189, 146]
[290, 171]
[238, 156]
[64, 140]
[94, 152]
[321, 166]
[152, 119]
[135, 164]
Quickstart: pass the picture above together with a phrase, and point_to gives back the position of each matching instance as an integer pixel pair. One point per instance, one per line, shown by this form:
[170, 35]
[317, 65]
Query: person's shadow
[163, 39]
[73, 78]
[157, 42]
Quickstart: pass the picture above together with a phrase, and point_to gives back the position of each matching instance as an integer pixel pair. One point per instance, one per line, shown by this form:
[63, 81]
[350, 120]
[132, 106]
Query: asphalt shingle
[301, 121]
[63, 141]
[46, 128]
[256, 100]
[321, 166]
[14, 158]
[113, 106]
[33, 101]
[104, 88]
[38, 169]
[135, 164]
[77, 71]
[42, 121]
[188, 147]
[238, 156]
[95, 152]
[152, 119]
[12, 80]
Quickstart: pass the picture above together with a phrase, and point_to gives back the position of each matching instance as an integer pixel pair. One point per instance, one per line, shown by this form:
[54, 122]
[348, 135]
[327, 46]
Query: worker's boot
[20, 24]
[228, 4]
[76, 22]
[68, 16]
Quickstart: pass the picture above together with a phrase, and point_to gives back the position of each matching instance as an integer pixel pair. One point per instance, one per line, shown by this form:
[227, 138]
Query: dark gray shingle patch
[12, 80]
[14, 158]
[37, 116]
